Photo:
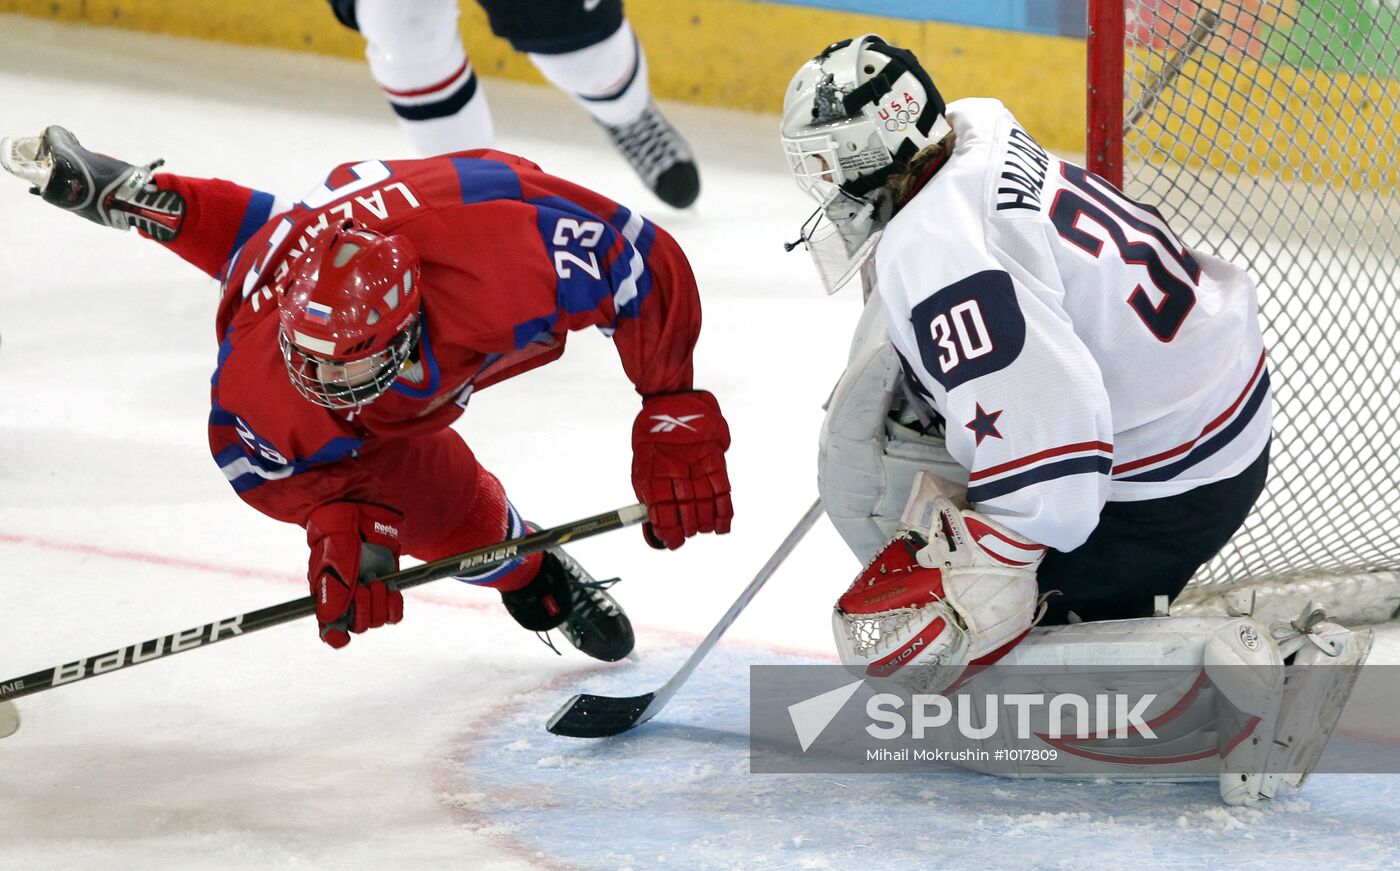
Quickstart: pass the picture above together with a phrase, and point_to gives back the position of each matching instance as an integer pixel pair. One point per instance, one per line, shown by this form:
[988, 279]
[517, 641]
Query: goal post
[1268, 131]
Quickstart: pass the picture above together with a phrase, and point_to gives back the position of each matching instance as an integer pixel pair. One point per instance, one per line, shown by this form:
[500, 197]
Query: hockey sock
[608, 78]
[416, 55]
[490, 519]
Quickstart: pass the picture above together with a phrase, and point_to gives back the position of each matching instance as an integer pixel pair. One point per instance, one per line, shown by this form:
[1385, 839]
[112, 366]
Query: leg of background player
[588, 50]
[1144, 549]
[415, 53]
[607, 78]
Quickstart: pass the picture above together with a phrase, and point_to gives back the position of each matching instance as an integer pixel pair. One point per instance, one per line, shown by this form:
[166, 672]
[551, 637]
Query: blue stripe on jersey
[225, 348]
[530, 330]
[1047, 472]
[446, 107]
[257, 213]
[246, 470]
[484, 180]
[1211, 446]
[565, 227]
[430, 365]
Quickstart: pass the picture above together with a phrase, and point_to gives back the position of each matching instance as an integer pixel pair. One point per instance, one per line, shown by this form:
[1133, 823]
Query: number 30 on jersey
[970, 328]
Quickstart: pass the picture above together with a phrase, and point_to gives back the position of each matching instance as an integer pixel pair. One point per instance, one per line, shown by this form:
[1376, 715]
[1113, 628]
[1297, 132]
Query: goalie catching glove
[353, 544]
[678, 469]
[932, 605]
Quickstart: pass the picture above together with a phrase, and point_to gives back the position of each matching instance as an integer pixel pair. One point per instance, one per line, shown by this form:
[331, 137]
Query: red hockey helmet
[350, 315]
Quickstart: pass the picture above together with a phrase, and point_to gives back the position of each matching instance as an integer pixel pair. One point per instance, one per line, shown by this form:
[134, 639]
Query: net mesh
[1269, 129]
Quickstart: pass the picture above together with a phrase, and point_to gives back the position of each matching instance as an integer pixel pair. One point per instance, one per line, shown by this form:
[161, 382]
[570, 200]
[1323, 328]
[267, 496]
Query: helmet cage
[826, 160]
[348, 383]
[852, 115]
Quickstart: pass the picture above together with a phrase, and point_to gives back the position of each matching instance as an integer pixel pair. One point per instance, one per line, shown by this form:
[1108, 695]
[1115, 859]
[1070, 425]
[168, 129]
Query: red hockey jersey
[513, 259]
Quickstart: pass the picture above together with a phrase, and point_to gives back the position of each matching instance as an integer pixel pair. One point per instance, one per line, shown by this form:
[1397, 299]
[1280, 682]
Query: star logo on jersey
[669, 423]
[985, 424]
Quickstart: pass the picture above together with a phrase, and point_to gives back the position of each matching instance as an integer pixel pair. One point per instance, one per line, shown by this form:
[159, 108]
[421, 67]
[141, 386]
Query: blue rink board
[1050, 17]
[677, 793]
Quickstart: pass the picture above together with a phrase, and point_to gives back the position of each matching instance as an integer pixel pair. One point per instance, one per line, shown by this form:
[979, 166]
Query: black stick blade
[589, 716]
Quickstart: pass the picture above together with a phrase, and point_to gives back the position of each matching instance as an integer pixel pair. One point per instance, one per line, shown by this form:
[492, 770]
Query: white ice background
[422, 745]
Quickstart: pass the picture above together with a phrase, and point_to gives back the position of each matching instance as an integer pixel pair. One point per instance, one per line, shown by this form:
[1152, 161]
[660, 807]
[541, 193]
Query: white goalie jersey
[1077, 350]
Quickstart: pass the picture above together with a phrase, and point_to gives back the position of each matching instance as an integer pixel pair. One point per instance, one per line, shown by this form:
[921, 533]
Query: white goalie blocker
[868, 461]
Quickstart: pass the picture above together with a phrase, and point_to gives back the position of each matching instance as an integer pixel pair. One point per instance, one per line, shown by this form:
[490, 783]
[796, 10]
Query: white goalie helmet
[852, 115]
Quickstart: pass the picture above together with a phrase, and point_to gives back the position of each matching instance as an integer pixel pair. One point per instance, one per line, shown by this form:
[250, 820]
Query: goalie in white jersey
[1101, 388]
[1092, 396]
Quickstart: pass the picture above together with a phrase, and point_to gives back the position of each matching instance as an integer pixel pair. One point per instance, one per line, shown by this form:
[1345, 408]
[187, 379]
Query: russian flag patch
[318, 312]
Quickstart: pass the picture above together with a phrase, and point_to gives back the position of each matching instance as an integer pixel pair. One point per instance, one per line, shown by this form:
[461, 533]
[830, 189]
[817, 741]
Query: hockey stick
[589, 716]
[242, 624]
[1203, 28]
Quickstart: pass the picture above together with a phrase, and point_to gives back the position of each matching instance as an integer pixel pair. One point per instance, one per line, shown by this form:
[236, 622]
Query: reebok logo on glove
[678, 468]
[669, 423]
[385, 529]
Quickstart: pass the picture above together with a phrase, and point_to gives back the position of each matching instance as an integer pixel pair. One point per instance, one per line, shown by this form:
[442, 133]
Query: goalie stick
[589, 716]
[242, 624]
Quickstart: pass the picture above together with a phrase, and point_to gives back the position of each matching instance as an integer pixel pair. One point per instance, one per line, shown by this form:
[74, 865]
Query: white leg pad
[1317, 686]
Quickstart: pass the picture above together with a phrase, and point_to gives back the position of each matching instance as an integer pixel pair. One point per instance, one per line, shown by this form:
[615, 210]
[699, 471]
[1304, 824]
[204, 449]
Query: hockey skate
[659, 155]
[102, 189]
[565, 597]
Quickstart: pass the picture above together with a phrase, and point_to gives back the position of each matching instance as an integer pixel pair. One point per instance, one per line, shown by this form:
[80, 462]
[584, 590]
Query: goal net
[1267, 131]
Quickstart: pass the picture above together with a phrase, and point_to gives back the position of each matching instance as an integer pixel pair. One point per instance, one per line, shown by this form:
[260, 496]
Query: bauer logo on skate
[148, 650]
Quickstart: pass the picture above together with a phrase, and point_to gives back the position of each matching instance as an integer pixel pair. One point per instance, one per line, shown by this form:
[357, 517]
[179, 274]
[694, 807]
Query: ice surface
[423, 746]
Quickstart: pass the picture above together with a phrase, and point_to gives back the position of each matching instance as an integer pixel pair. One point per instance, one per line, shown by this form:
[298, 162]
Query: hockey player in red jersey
[355, 325]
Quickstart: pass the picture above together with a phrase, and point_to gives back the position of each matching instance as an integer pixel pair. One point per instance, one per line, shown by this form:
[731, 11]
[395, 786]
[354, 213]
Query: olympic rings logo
[899, 116]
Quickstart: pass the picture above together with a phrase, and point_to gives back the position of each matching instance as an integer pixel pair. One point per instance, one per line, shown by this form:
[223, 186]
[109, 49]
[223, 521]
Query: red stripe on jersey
[1037, 457]
[1209, 428]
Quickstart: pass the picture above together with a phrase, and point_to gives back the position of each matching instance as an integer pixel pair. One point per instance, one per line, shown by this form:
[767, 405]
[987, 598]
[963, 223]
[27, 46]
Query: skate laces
[588, 592]
[581, 593]
[649, 143]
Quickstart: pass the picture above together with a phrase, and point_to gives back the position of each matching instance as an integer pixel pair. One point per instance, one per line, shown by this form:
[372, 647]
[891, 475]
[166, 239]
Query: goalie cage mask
[853, 115]
[350, 316]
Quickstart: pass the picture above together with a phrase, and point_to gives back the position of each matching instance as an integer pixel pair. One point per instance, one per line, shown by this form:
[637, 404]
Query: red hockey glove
[678, 445]
[352, 543]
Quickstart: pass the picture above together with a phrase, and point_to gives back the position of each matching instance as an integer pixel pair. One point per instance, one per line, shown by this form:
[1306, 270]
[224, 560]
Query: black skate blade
[589, 716]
